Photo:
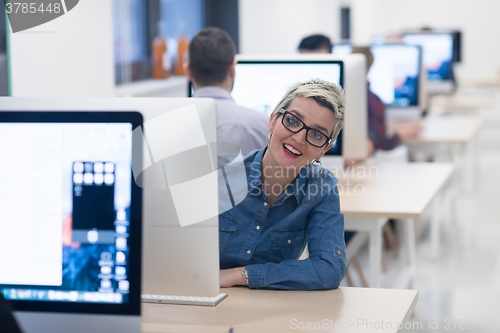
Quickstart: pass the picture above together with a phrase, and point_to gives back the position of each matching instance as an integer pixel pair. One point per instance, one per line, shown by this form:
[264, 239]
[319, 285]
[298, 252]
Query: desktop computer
[438, 58]
[180, 221]
[70, 228]
[355, 131]
[261, 81]
[342, 49]
[395, 77]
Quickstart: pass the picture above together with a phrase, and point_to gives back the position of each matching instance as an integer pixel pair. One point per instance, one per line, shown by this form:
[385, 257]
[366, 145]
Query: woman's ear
[272, 121]
[328, 147]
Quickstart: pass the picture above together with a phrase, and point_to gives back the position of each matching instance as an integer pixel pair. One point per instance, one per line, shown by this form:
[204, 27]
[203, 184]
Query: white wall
[69, 56]
[478, 21]
[277, 26]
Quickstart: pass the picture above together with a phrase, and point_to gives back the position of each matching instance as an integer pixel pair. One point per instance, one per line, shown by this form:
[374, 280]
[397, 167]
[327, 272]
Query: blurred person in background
[211, 69]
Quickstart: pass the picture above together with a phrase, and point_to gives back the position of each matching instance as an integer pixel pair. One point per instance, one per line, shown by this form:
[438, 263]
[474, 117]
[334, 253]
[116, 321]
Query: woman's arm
[232, 277]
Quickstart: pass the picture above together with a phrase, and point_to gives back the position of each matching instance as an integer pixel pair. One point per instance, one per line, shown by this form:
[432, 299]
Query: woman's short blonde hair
[326, 94]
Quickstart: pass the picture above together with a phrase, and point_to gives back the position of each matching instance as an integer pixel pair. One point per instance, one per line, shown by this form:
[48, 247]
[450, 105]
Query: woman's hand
[232, 277]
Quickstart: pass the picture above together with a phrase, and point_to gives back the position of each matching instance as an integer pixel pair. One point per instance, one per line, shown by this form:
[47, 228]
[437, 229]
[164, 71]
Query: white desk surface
[391, 190]
[247, 310]
[464, 101]
[446, 129]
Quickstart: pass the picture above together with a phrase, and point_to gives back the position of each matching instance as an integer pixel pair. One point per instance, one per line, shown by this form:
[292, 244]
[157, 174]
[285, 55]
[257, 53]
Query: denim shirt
[268, 240]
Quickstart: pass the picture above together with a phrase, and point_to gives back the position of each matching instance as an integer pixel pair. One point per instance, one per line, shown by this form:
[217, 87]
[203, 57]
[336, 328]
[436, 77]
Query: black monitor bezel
[133, 306]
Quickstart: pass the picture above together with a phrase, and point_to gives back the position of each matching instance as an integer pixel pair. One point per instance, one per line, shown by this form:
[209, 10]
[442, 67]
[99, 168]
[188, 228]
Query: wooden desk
[448, 130]
[391, 191]
[465, 101]
[487, 82]
[451, 139]
[247, 310]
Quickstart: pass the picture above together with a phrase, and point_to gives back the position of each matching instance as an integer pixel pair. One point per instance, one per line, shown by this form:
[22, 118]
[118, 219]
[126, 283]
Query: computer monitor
[341, 49]
[261, 81]
[437, 51]
[355, 131]
[455, 33]
[395, 76]
[177, 260]
[70, 230]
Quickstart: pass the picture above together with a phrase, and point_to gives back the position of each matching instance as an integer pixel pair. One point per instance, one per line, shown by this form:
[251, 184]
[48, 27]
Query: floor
[460, 291]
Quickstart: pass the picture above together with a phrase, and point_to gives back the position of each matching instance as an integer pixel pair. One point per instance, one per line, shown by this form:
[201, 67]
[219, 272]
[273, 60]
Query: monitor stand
[335, 164]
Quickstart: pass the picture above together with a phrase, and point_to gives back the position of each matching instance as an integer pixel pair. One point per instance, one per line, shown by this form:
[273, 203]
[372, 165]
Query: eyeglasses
[295, 125]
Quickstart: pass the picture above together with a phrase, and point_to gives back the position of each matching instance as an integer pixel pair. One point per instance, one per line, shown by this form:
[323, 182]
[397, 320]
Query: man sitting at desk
[211, 69]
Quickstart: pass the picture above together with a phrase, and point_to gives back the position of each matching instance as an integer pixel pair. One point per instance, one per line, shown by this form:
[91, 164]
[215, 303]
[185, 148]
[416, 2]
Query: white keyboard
[183, 300]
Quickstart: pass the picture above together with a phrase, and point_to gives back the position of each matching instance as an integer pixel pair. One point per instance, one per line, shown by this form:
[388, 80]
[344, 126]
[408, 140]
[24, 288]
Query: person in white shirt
[211, 69]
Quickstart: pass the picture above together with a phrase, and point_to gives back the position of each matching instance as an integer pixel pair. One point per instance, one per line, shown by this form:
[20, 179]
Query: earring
[269, 139]
[318, 163]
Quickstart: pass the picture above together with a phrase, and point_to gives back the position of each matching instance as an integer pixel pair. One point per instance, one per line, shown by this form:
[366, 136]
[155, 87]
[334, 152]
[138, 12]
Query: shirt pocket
[227, 229]
[286, 244]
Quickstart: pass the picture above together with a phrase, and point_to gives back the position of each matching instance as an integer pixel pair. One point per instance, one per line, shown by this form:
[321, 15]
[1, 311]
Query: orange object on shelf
[182, 49]
[159, 50]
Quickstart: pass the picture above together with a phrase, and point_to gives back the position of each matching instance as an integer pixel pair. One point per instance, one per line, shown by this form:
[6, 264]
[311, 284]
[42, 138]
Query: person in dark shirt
[8, 323]
[377, 132]
[315, 44]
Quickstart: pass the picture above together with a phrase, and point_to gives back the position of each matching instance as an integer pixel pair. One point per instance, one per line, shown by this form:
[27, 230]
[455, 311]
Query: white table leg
[375, 255]
[436, 226]
[374, 228]
[407, 276]
[468, 167]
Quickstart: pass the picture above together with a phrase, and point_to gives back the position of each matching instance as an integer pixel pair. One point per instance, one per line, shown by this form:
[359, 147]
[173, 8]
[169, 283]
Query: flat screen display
[394, 75]
[341, 49]
[66, 202]
[437, 50]
[260, 85]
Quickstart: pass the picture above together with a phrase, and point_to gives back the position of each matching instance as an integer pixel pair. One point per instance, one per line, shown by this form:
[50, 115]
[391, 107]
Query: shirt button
[257, 227]
[289, 241]
[265, 203]
[248, 251]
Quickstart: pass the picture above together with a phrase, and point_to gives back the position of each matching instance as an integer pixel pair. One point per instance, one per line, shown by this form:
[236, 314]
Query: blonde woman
[292, 200]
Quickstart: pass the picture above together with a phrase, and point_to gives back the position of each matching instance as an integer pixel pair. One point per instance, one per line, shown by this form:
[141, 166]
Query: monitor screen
[394, 75]
[260, 85]
[69, 234]
[437, 54]
[341, 49]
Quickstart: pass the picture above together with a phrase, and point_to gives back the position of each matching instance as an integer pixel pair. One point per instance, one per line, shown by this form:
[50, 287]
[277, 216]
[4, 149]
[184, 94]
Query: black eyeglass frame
[285, 112]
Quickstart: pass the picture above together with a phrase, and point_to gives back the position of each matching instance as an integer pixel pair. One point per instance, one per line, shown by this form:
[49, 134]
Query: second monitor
[261, 82]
